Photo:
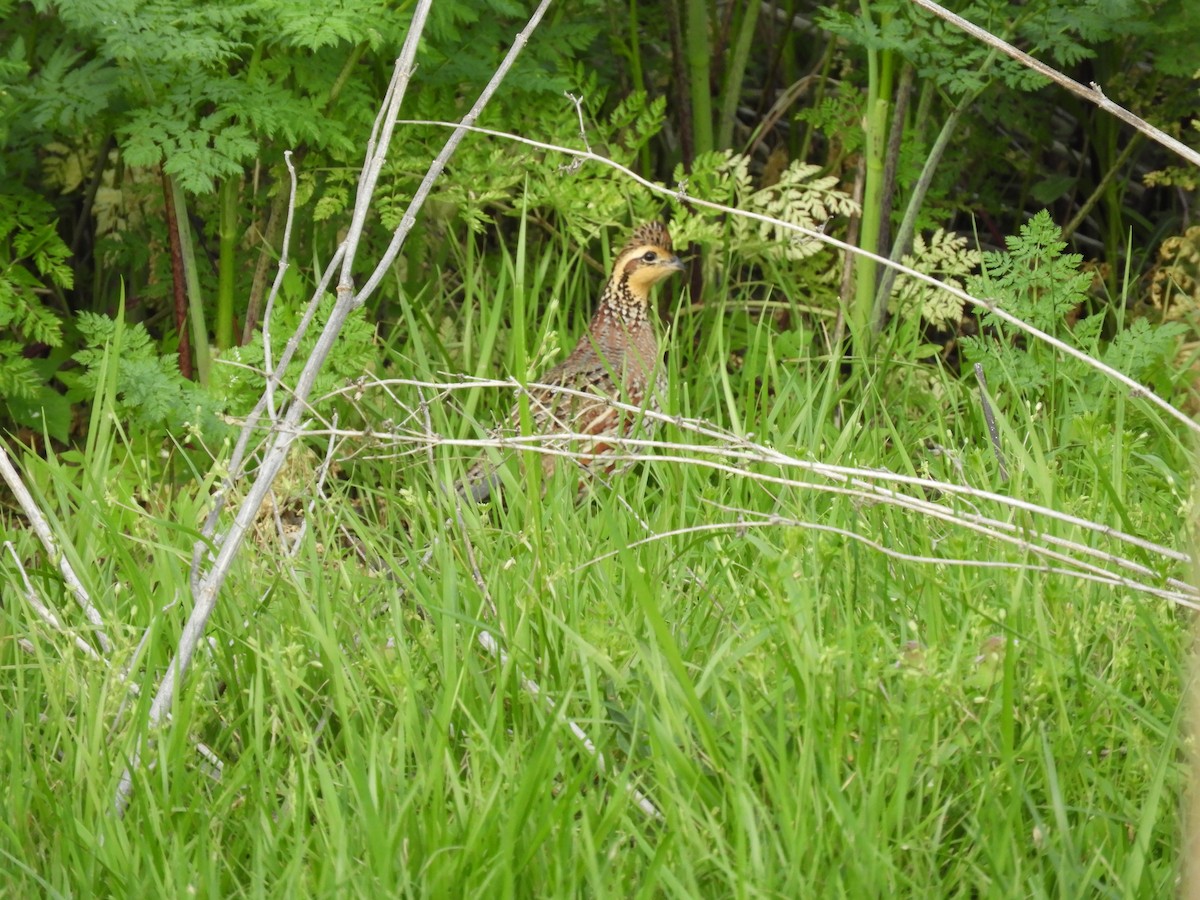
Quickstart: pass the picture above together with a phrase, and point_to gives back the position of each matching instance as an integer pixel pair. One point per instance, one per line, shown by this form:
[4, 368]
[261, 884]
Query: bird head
[646, 259]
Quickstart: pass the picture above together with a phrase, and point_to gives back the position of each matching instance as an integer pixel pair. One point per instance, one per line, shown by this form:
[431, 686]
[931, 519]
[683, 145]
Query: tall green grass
[807, 715]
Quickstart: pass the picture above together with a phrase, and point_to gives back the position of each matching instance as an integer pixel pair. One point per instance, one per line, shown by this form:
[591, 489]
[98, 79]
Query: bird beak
[674, 263]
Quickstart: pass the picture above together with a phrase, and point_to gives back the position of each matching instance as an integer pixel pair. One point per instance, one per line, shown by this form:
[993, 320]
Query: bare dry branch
[210, 583]
[1092, 94]
[772, 521]
[43, 611]
[284, 433]
[269, 392]
[734, 455]
[728, 446]
[42, 529]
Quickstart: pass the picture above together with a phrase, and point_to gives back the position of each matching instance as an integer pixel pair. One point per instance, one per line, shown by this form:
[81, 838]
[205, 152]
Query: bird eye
[650, 256]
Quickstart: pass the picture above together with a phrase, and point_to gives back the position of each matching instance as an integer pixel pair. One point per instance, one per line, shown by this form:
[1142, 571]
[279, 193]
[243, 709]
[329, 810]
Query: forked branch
[284, 434]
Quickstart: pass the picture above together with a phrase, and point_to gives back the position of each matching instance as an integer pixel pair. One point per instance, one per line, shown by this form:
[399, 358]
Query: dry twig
[42, 529]
[1092, 93]
[733, 455]
[210, 583]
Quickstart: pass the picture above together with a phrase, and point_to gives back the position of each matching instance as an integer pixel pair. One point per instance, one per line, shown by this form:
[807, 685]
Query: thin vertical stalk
[699, 60]
[735, 74]
[191, 277]
[896, 134]
[636, 74]
[178, 280]
[916, 198]
[865, 267]
[226, 261]
[880, 64]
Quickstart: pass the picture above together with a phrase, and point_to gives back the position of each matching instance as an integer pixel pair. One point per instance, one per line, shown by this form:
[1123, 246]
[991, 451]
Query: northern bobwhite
[618, 359]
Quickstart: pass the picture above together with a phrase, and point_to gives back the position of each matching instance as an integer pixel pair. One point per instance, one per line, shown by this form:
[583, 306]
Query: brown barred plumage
[618, 359]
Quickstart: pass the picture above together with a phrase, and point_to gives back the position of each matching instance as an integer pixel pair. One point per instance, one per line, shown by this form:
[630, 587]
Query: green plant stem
[1101, 189]
[896, 134]
[865, 269]
[178, 279]
[344, 75]
[880, 72]
[636, 74]
[192, 280]
[226, 261]
[737, 71]
[698, 61]
[916, 198]
[920, 121]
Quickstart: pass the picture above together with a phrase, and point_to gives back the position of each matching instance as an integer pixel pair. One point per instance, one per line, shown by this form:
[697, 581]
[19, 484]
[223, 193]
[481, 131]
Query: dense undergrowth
[797, 687]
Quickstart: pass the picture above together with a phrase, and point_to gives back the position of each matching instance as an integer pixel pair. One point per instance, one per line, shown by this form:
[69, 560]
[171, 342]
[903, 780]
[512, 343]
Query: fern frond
[945, 256]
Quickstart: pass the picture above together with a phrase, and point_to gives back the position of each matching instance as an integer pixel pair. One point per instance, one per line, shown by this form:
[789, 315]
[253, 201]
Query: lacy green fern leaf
[946, 257]
[1034, 280]
[150, 391]
[800, 197]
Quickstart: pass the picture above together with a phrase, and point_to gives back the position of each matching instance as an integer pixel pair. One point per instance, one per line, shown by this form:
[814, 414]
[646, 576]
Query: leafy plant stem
[865, 267]
[344, 75]
[636, 73]
[178, 280]
[896, 132]
[923, 114]
[699, 75]
[880, 72]
[1101, 189]
[916, 198]
[195, 300]
[735, 74]
[226, 262]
